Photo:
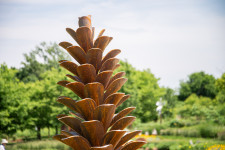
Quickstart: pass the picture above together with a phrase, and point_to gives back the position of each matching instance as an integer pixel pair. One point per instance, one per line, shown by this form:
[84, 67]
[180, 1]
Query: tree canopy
[44, 57]
[144, 90]
[200, 83]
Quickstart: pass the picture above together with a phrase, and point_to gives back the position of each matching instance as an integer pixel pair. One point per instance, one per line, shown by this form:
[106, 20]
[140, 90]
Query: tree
[199, 107]
[43, 106]
[220, 85]
[13, 101]
[200, 83]
[43, 58]
[33, 73]
[170, 99]
[144, 90]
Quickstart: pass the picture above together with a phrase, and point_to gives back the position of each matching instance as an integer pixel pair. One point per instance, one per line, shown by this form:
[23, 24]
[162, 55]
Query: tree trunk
[48, 132]
[160, 117]
[56, 130]
[39, 133]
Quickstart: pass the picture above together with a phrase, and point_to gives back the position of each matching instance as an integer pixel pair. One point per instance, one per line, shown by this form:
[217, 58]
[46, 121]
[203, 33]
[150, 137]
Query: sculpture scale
[95, 126]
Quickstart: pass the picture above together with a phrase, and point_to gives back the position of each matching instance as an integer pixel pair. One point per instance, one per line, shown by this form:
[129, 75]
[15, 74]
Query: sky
[172, 38]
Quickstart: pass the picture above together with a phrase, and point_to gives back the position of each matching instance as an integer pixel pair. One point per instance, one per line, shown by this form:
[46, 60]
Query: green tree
[52, 91]
[40, 78]
[220, 85]
[13, 101]
[144, 90]
[200, 83]
[170, 99]
[199, 107]
[39, 109]
[220, 99]
[43, 95]
[43, 58]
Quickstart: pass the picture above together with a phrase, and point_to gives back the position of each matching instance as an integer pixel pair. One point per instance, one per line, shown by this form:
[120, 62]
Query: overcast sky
[173, 38]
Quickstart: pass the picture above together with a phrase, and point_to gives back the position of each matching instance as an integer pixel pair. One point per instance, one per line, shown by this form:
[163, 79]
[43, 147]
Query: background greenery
[28, 106]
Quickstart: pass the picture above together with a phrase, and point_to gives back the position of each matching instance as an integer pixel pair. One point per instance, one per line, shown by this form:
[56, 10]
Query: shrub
[148, 145]
[193, 133]
[149, 127]
[164, 132]
[164, 146]
[4, 136]
[221, 135]
[176, 124]
[185, 146]
[186, 132]
[38, 145]
[208, 131]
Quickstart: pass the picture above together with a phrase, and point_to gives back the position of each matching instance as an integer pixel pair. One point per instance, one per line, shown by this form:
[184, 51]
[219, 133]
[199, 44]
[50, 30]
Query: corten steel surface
[94, 125]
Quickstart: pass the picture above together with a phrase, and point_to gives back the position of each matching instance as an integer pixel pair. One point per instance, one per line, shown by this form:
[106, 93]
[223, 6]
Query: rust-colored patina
[94, 124]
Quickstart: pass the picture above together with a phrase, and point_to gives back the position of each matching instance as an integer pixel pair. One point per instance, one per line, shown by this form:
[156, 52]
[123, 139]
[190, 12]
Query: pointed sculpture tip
[85, 21]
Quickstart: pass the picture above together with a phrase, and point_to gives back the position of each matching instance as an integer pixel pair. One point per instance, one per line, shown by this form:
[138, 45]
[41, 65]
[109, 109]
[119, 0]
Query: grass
[32, 134]
[179, 134]
[188, 129]
[38, 145]
[161, 142]
[180, 142]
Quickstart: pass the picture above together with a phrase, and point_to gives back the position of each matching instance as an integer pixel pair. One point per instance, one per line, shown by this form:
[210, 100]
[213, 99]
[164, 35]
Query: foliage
[144, 90]
[220, 85]
[200, 83]
[208, 131]
[43, 58]
[170, 99]
[13, 101]
[150, 126]
[176, 123]
[168, 142]
[200, 107]
[28, 100]
[180, 143]
[204, 129]
[164, 146]
[186, 132]
[39, 145]
[221, 135]
[221, 114]
[43, 95]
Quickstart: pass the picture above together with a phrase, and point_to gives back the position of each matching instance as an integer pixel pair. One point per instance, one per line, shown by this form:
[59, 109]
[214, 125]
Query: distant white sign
[159, 105]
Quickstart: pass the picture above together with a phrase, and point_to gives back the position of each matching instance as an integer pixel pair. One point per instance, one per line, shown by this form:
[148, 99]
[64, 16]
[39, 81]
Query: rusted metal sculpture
[94, 124]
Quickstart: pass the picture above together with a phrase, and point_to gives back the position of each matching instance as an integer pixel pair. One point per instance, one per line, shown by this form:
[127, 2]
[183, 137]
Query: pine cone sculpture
[94, 125]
